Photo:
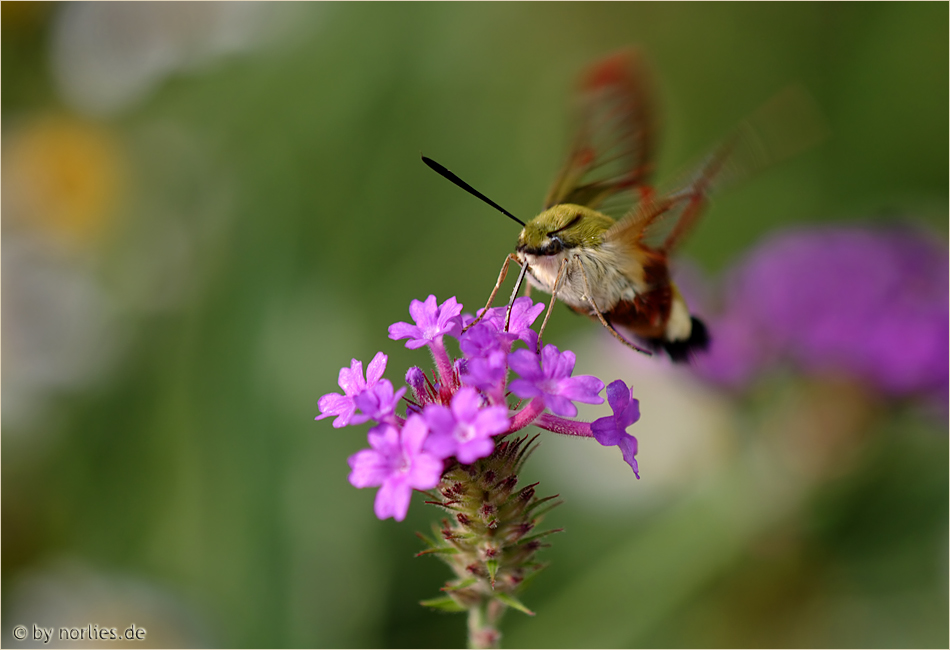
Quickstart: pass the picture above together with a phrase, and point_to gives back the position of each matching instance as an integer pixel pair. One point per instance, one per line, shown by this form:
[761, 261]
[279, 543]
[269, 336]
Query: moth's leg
[557, 283]
[514, 292]
[603, 321]
[491, 298]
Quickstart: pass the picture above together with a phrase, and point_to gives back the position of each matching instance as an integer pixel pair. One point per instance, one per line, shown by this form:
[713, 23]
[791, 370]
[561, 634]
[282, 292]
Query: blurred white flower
[686, 433]
[106, 56]
[60, 330]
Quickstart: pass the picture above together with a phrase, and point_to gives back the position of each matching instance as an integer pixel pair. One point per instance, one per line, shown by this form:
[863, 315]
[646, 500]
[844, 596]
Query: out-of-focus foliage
[209, 209]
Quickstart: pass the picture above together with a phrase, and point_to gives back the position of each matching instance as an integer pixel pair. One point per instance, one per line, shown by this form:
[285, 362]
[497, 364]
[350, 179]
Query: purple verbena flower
[612, 430]
[549, 378]
[460, 409]
[432, 321]
[465, 429]
[397, 464]
[352, 382]
[377, 403]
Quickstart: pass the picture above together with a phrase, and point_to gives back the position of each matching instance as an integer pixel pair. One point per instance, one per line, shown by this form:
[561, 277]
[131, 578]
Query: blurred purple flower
[465, 430]
[397, 464]
[549, 378]
[869, 303]
[612, 430]
[431, 322]
[352, 382]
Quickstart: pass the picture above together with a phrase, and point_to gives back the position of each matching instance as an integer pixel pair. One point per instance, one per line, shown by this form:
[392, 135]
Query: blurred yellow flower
[63, 175]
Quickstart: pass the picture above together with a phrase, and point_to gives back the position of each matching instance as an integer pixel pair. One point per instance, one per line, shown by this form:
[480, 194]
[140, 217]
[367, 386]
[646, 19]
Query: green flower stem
[483, 619]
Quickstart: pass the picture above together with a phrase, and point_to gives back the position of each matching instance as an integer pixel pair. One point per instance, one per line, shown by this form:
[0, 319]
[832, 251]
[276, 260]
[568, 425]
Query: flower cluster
[459, 412]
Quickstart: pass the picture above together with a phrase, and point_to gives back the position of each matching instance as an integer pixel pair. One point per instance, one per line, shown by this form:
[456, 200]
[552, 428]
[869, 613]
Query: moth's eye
[556, 245]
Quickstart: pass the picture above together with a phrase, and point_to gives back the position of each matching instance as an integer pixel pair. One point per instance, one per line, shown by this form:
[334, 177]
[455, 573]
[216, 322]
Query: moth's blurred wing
[614, 137]
[782, 127]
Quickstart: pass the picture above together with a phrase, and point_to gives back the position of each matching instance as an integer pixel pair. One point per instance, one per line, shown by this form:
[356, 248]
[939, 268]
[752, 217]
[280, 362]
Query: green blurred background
[209, 209]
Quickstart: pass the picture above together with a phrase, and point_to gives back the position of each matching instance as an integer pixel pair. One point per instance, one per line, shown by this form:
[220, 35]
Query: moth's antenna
[445, 173]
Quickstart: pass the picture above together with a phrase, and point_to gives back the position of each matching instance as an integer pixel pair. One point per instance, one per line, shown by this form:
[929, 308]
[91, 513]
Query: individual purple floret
[352, 382]
[465, 430]
[524, 312]
[377, 403]
[486, 373]
[550, 379]
[480, 341]
[431, 322]
[397, 464]
[612, 430]
[486, 365]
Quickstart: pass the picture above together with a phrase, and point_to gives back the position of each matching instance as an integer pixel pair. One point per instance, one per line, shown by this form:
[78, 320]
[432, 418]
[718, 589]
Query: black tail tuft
[682, 351]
